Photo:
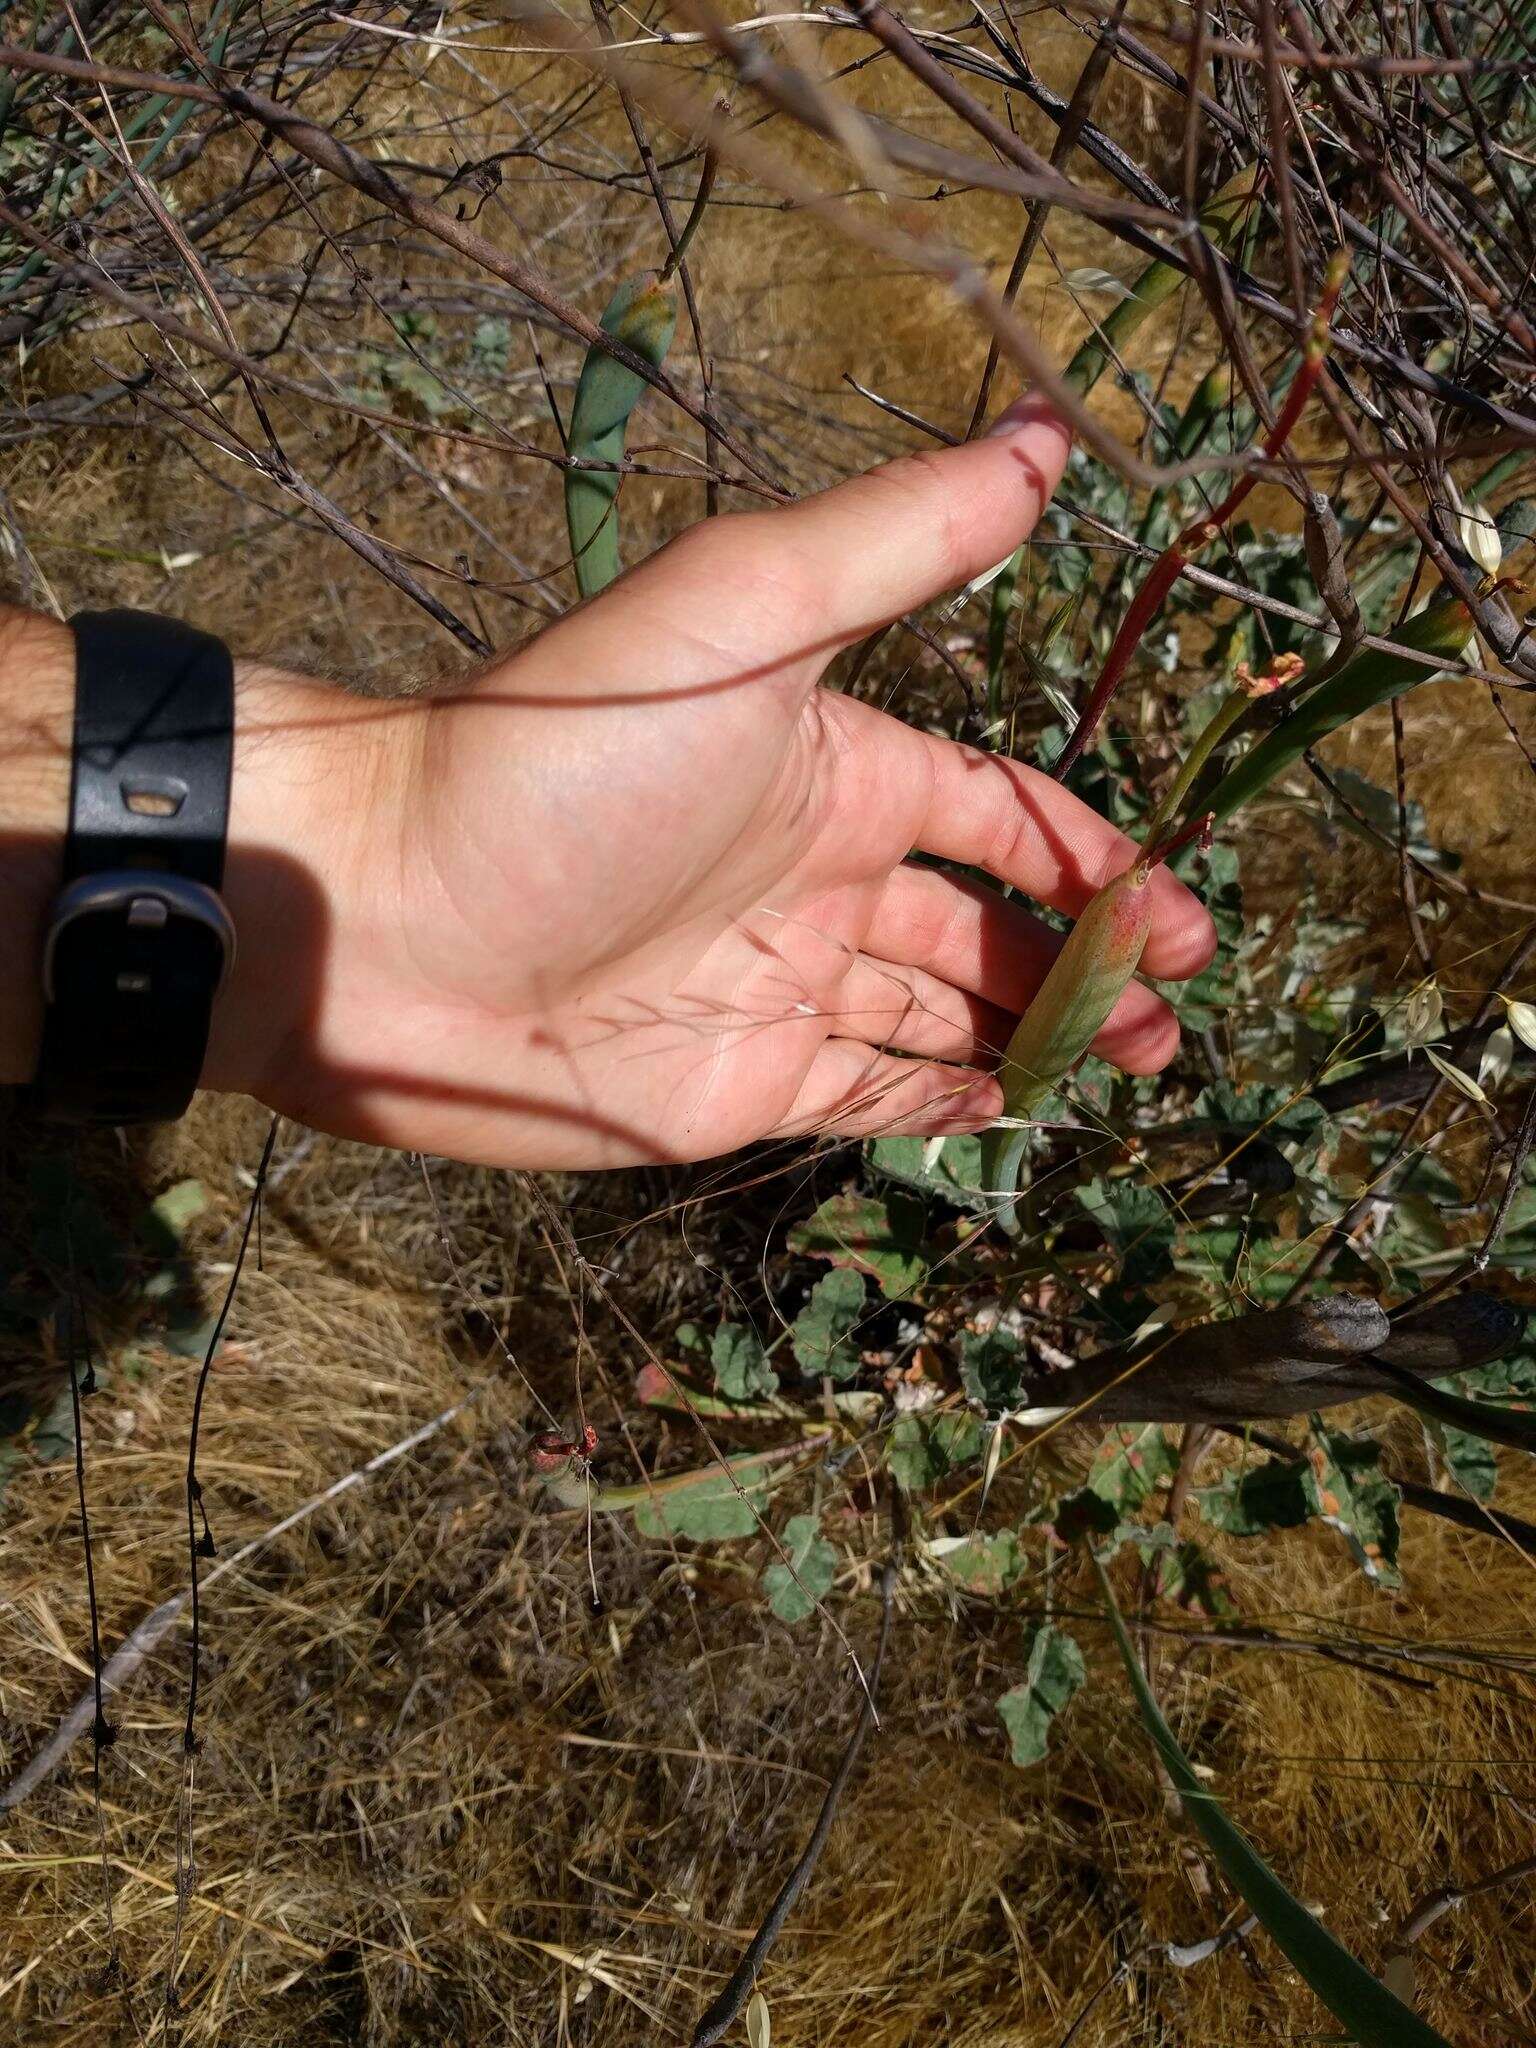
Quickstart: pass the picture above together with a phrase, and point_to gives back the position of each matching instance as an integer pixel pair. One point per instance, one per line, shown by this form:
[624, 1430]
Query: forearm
[312, 764]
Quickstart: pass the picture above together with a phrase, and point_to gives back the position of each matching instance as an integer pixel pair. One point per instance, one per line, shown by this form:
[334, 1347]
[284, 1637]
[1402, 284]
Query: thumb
[800, 582]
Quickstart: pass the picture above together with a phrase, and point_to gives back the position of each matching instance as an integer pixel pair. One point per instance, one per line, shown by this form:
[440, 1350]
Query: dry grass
[441, 1799]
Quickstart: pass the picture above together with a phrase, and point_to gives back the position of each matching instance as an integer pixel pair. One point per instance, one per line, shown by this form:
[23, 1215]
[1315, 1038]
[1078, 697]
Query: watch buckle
[148, 900]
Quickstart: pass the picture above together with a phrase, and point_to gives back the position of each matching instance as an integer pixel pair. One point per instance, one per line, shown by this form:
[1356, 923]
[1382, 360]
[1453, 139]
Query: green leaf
[1279, 1494]
[490, 343]
[1137, 1223]
[54, 1436]
[1053, 1673]
[643, 314]
[189, 1336]
[1369, 2012]
[814, 1561]
[920, 1453]
[1356, 1496]
[882, 1239]
[987, 1565]
[1246, 1105]
[1378, 807]
[1082, 1514]
[1340, 1482]
[822, 1332]
[742, 1371]
[1130, 1465]
[992, 1369]
[949, 1167]
[1473, 1462]
[179, 1206]
[1372, 677]
[1192, 1576]
[709, 1511]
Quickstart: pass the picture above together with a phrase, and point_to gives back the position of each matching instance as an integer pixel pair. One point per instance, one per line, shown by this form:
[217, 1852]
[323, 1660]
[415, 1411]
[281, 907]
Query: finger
[855, 1092]
[910, 1011]
[989, 812]
[803, 580]
[966, 934]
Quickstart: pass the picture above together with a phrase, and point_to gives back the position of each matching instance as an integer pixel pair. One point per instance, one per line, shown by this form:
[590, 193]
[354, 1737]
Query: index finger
[989, 812]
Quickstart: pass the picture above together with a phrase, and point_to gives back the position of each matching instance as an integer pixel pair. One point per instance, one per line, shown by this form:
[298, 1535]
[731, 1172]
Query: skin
[642, 890]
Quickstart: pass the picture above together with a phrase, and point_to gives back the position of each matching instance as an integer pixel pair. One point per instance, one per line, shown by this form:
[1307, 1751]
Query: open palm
[644, 890]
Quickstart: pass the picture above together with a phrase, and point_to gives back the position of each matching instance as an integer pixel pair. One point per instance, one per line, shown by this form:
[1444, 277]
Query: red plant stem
[1165, 571]
[1192, 828]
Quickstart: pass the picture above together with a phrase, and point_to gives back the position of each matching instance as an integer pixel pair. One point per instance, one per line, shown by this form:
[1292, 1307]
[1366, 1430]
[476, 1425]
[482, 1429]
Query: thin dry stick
[126, 1660]
[719, 2017]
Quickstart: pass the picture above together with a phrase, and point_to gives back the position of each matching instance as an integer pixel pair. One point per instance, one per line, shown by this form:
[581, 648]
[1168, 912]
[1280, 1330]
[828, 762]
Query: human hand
[641, 891]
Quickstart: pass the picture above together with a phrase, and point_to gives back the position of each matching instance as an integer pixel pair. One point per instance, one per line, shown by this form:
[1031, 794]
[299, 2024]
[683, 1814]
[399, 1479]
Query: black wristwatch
[139, 941]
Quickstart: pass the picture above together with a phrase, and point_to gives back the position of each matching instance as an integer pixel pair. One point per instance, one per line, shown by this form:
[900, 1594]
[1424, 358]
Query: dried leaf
[1423, 1013]
[1454, 1074]
[759, 2027]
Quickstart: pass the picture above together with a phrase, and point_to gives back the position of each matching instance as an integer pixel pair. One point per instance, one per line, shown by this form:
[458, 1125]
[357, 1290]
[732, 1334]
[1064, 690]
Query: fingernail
[1022, 410]
[1033, 409]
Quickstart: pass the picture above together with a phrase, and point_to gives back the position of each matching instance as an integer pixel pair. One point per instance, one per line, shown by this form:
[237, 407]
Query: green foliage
[992, 1369]
[1138, 1224]
[1130, 1465]
[1371, 678]
[1473, 1461]
[1361, 2003]
[1340, 1482]
[921, 1453]
[884, 1239]
[712, 1509]
[742, 1371]
[1053, 1673]
[822, 1334]
[986, 1565]
[796, 1589]
[643, 314]
[947, 1167]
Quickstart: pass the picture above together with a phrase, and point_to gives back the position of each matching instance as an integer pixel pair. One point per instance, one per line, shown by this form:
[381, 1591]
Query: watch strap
[139, 941]
[154, 738]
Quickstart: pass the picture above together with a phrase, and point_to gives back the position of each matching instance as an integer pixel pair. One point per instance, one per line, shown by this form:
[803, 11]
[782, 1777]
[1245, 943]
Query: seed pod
[1086, 980]
[1070, 1008]
[1222, 219]
[643, 313]
[1373, 677]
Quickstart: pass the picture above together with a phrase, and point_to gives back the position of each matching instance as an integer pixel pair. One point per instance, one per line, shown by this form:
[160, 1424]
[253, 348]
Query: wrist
[314, 768]
[37, 702]
[319, 774]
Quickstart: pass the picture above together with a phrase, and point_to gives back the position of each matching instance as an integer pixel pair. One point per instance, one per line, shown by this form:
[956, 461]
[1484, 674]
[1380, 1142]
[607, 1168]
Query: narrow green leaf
[643, 313]
[1373, 677]
[1222, 218]
[1004, 590]
[1361, 2003]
